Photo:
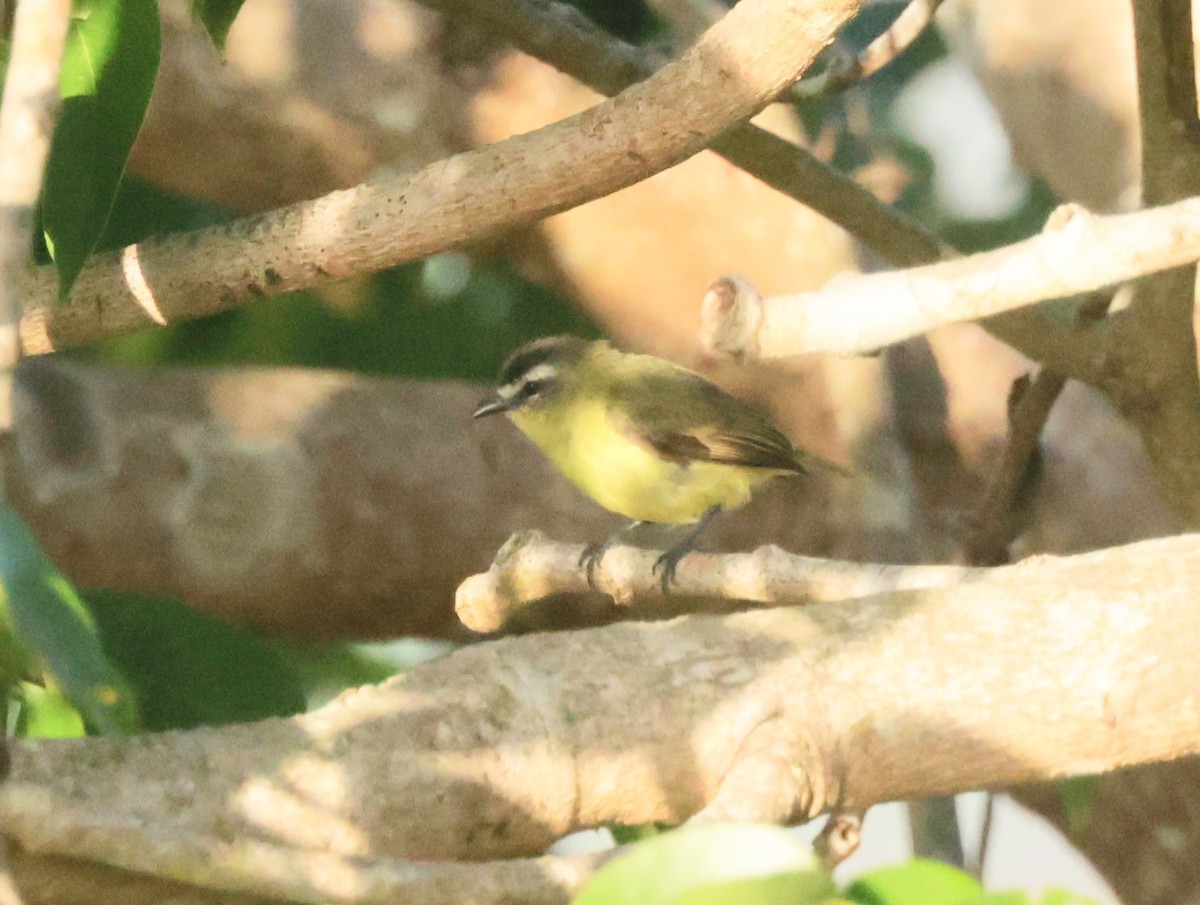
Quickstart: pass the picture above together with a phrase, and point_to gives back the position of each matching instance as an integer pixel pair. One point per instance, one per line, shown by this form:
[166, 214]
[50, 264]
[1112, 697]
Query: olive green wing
[685, 418]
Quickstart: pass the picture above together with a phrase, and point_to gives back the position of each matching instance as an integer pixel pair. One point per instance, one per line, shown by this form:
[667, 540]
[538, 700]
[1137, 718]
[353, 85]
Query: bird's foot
[590, 559]
[671, 558]
[666, 565]
[593, 553]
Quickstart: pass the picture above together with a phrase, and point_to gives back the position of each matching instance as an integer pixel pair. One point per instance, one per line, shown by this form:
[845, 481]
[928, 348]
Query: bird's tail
[808, 461]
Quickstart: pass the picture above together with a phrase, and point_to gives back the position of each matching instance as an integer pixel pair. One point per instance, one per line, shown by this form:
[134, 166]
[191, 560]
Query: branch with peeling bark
[495, 751]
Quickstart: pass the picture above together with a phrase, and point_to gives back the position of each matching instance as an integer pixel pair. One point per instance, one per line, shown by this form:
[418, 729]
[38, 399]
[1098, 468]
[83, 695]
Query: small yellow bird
[641, 436]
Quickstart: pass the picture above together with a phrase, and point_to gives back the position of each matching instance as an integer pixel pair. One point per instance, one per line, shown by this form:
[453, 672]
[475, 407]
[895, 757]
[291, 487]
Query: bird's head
[535, 375]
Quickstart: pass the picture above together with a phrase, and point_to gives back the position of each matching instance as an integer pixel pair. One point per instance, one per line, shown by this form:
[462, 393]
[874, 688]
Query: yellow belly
[628, 477]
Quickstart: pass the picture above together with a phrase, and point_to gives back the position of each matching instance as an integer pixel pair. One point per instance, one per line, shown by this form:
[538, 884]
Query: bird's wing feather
[690, 419]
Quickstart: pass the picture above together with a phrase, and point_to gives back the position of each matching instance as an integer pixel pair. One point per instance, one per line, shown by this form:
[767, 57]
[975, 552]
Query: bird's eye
[531, 389]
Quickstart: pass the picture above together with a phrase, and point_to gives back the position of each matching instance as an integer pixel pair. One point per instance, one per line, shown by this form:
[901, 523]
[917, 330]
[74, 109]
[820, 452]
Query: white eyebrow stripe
[538, 373]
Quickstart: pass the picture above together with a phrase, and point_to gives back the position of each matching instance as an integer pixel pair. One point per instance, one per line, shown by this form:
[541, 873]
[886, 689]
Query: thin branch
[739, 65]
[1077, 252]
[996, 522]
[27, 114]
[529, 567]
[498, 749]
[846, 69]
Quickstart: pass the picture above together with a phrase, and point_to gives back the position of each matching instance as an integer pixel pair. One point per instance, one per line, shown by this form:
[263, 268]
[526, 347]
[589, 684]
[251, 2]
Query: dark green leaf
[731, 864]
[918, 882]
[217, 16]
[49, 620]
[189, 669]
[109, 65]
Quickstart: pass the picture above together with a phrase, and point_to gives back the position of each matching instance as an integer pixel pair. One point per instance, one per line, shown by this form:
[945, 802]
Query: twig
[996, 522]
[529, 567]
[846, 69]
[1076, 253]
[651, 126]
[979, 862]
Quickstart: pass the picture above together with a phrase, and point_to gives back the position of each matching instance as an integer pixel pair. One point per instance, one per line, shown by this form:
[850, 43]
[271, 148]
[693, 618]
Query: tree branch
[1076, 253]
[529, 567]
[732, 72]
[561, 36]
[498, 749]
[847, 69]
[27, 115]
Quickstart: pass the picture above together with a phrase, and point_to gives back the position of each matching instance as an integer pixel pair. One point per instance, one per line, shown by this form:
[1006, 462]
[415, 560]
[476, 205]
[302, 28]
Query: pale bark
[1076, 253]
[743, 62]
[496, 750]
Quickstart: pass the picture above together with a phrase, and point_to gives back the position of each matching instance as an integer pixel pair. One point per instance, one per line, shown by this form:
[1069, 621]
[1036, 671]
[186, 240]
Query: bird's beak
[492, 405]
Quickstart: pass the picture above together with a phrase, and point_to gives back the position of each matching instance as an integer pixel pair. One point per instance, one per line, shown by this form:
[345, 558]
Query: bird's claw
[590, 559]
[666, 564]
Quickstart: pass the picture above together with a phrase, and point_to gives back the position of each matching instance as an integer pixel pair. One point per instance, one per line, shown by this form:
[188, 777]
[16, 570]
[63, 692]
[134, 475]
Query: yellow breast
[627, 476]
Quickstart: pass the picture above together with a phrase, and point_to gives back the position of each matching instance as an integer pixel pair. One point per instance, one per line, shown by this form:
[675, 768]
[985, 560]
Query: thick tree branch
[732, 72]
[1078, 252]
[498, 749]
[559, 35]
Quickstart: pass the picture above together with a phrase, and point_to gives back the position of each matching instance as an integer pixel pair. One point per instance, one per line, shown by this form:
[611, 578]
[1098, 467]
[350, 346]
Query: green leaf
[52, 626]
[919, 882]
[217, 16]
[188, 669]
[730, 864]
[46, 713]
[109, 65]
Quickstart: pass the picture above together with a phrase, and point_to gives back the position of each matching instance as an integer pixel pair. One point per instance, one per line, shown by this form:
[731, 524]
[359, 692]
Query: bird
[642, 436]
